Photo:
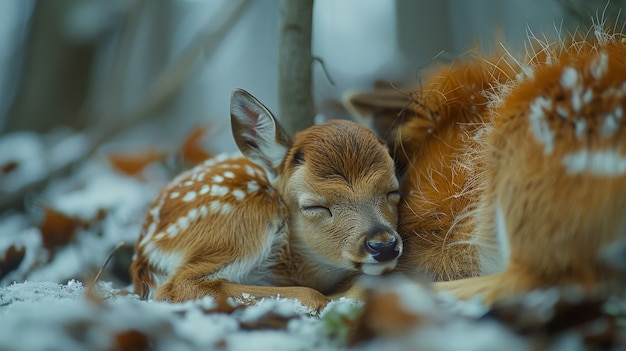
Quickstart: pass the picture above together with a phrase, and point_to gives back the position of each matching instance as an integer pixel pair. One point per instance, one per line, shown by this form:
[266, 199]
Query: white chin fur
[378, 268]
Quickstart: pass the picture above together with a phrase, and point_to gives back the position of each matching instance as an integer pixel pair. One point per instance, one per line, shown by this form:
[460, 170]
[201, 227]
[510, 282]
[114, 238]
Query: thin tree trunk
[295, 105]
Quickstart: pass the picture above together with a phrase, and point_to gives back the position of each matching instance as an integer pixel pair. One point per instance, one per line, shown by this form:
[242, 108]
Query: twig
[106, 262]
[323, 65]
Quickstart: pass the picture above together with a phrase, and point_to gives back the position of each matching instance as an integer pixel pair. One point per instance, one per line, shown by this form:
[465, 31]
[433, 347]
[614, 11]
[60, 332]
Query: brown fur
[432, 142]
[293, 219]
[481, 165]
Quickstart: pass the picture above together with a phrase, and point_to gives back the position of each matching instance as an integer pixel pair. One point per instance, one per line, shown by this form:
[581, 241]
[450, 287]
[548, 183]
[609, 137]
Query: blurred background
[146, 73]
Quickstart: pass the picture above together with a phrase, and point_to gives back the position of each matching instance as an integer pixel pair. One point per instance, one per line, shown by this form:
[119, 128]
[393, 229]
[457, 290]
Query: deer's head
[337, 181]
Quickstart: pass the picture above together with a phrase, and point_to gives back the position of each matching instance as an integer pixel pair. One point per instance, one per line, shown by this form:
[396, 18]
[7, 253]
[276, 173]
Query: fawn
[297, 219]
[513, 170]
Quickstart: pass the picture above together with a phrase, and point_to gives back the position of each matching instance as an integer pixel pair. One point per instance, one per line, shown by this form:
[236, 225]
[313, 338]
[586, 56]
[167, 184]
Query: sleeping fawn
[297, 219]
[514, 169]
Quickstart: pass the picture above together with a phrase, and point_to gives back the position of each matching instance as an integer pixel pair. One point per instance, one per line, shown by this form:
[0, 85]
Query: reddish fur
[286, 250]
[439, 132]
[557, 222]
[203, 256]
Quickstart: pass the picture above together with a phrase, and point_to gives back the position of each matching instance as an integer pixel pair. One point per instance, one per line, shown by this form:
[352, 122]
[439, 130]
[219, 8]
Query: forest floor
[51, 252]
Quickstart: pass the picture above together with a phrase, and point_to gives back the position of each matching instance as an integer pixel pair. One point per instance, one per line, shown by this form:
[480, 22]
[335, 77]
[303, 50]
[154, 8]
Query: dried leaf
[220, 344]
[133, 163]
[131, 340]
[58, 229]
[223, 306]
[542, 322]
[8, 167]
[11, 260]
[384, 315]
[192, 150]
[267, 321]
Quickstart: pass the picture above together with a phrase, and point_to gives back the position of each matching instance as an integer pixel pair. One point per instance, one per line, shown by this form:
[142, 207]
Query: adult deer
[514, 169]
[297, 219]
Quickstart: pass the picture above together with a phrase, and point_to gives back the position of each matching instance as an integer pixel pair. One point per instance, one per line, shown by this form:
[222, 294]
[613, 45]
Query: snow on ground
[51, 316]
[46, 302]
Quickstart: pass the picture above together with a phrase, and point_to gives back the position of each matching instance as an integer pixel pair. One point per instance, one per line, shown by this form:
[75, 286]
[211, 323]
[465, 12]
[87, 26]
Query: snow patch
[27, 151]
[415, 298]
[615, 253]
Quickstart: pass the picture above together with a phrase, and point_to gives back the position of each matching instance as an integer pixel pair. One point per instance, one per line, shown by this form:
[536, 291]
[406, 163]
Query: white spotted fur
[230, 226]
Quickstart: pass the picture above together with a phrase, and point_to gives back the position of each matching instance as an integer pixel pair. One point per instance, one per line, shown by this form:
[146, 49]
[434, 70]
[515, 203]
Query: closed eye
[316, 211]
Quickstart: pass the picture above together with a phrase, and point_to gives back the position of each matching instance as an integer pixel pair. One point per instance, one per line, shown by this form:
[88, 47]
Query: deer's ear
[384, 111]
[258, 135]
[379, 109]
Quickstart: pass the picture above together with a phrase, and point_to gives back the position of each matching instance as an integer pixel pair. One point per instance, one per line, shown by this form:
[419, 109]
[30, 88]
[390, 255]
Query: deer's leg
[142, 278]
[191, 282]
[354, 291]
[510, 283]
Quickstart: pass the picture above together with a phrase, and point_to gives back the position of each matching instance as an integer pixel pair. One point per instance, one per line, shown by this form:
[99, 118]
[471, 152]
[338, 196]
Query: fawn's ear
[258, 135]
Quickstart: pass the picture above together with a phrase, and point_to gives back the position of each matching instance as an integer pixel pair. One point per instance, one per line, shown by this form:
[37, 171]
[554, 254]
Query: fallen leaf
[133, 163]
[57, 229]
[543, 322]
[385, 315]
[223, 306]
[131, 340]
[267, 321]
[220, 344]
[8, 167]
[192, 150]
[11, 260]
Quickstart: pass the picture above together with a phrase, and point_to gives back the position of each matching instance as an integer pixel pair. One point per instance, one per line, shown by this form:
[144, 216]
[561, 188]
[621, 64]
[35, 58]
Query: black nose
[382, 251]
